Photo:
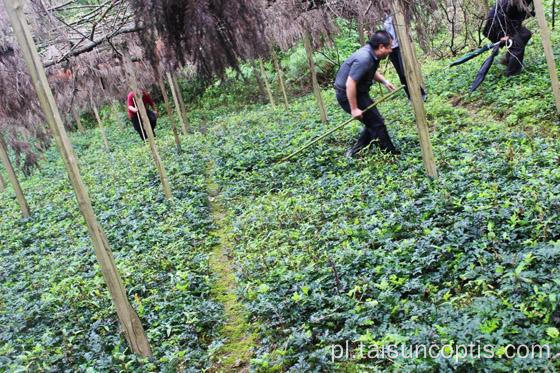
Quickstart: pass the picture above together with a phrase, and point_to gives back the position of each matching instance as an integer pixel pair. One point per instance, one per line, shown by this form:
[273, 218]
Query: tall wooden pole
[545, 36]
[414, 79]
[145, 123]
[133, 330]
[169, 111]
[77, 118]
[280, 78]
[13, 178]
[316, 88]
[101, 127]
[2, 184]
[181, 103]
[267, 85]
[174, 93]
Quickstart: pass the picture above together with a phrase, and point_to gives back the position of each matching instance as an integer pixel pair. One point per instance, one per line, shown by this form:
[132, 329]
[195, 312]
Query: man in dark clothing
[504, 21]
[352, 84]
[134, 116]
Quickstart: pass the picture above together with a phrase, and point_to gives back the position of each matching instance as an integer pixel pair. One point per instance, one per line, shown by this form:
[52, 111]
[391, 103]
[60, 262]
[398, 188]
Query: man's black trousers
[136, 123]
[374, 124]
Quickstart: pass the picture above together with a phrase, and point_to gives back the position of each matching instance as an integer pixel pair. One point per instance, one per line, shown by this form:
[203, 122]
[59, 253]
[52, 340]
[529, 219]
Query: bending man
[352, 84]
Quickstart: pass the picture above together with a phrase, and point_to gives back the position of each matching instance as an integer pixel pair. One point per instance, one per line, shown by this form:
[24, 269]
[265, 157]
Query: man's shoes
[349, 153]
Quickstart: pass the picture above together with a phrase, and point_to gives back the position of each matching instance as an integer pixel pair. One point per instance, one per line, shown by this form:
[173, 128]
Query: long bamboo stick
[101, 127]
[169, 111]
[2, 184]
[267, 85]
[13, 178]
[382, 99]
[316, 87]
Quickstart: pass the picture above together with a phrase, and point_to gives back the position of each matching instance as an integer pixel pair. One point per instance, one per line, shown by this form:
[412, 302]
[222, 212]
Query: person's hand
[134, 110]
[155, 112]
[389, 86]
[357, 113]
[504, 38]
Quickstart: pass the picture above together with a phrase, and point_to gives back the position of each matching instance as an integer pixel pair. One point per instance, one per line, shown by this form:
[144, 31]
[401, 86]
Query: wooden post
[145, 123]
[413, 79]
[545, 36]
[169, 111]
[174, 93]
[101, 127]
[2, 184]
[13, 178]
[267, 85]
[181, 103]
[77, 119]
[258, 78]
[133, 330]
[316, 88]
[280, 78]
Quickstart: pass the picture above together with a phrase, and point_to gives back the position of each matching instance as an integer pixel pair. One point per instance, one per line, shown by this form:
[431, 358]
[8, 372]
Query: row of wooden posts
[128, 318]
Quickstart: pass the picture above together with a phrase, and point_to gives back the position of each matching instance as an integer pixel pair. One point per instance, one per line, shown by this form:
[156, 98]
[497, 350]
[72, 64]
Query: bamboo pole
[76, 118]
[145, 123]
[13, 179]
[2, 184]
[382, 99]
[181, 103]
[133, 330]
[545, 36]
[101, 127]
[258, 78]
[169, 112]
[316, 88]
[267, 85]
[176, 101]
[280, 78]
[414, 79]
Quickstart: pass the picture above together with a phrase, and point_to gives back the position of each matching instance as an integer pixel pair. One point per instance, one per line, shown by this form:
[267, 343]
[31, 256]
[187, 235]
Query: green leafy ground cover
[325, 249]
[372, 251]
[55, 310]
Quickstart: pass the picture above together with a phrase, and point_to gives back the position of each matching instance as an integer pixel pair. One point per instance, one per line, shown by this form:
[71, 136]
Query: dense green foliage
[55, 311]
[326, 249]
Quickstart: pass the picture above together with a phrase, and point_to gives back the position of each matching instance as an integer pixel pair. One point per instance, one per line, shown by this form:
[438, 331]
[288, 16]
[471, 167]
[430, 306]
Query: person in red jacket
[134, 115]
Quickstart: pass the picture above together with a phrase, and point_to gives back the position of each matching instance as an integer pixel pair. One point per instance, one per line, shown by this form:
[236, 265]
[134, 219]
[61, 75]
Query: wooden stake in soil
[181, 103]
[77, 119]
[13, 179]
[174, 92]
[145, 123]
[101, 127]
[268, 90]
[316, 88]
[545, 36]
[280, 78]
[414, 79]
[2, 184]
[133, 330]
[169, 112]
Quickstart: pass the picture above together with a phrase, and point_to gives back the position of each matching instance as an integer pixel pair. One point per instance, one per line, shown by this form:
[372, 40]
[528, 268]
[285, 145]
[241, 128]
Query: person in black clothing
[352, 84]
[396, 57]
[504, 21]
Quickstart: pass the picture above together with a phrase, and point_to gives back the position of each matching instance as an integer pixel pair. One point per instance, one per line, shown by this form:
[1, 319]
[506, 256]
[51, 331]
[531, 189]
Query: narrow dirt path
[235, 354]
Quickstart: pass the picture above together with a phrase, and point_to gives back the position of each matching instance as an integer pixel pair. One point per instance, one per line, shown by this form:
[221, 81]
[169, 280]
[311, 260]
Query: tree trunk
[268, 90]
[545, 36]
[133, 330]
[145, 124]
[13, 178]
[176, 101]
[77, 120]
[316, 88]
[101, 127]
[169, 112]
[414, 79]
[280, 78]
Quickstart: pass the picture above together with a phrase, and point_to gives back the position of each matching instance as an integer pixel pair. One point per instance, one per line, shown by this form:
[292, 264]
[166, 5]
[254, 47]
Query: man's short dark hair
[380, 37]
